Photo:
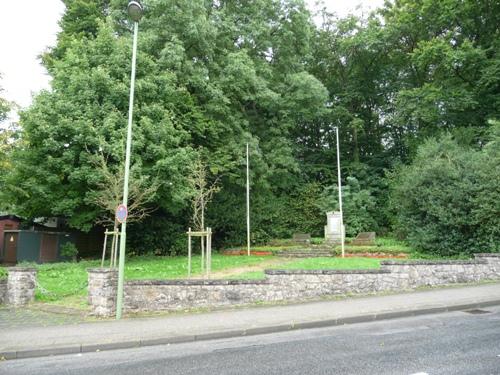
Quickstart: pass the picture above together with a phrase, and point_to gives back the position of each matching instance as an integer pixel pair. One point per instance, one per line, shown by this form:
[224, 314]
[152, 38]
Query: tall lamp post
[340, 194]
[134, 10]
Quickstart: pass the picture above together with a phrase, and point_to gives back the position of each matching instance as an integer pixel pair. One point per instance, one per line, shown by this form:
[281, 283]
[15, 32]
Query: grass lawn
[66, 282]
[332, 263]
[315, 264]
[382, 245]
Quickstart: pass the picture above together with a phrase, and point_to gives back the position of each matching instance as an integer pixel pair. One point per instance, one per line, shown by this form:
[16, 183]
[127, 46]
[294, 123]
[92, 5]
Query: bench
[301, 238]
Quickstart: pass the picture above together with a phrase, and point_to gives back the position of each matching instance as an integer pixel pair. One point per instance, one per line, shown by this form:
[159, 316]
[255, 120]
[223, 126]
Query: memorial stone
[333, 232]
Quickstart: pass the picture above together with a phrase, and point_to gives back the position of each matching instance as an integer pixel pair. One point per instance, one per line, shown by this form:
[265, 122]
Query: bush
[446, 202]
[158, 234]
[3, 273]
[359, 206]
[304, 215]
[69, 250]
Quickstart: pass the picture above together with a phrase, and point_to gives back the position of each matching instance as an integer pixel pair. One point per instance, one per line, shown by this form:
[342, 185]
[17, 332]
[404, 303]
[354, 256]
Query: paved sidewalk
[18, 318]
[104, 335]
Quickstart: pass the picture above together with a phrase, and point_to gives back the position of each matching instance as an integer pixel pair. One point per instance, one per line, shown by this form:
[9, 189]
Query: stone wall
[102, 289]
[284, 285]
[3, 291]
[19, 289]
[157, 295]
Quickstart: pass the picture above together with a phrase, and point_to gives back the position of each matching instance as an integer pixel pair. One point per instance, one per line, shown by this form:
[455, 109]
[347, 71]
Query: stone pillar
[3, 291]
[21, 284]
[102, 289]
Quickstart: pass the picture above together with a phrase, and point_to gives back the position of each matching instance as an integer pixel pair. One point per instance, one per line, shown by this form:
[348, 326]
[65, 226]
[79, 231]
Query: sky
[29, 27]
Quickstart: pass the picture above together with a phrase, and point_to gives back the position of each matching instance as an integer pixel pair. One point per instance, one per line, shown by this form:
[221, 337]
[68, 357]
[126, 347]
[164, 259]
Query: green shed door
[28, 247]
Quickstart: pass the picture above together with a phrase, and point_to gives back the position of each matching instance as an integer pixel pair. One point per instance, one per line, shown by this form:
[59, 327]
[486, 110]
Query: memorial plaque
[333, 232]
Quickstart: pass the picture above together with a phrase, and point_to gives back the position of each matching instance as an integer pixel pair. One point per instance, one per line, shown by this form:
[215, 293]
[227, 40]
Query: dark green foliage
[358, 205]
[303, 214]
[218, 74]
[69, 250]
[208, 75]
[448, 201]
[158, 234]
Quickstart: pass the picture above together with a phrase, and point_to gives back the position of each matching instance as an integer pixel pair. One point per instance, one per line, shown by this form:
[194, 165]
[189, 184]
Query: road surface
[451, 343]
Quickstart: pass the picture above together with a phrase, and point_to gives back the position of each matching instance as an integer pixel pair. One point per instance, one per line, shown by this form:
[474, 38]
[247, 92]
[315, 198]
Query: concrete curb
[224, 334]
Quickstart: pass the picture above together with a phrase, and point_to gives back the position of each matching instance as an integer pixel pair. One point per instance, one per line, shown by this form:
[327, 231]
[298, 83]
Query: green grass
[3, 273]
[176, 267]
[392, 244]
[423, 256]
[386, 245]
[62, 280]
[332, 263]
[315, 264]
[66, 281]
[271, 247]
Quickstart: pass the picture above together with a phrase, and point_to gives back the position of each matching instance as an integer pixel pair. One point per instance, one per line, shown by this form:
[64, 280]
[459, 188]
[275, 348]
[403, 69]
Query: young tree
[107, 193]
[202, 192]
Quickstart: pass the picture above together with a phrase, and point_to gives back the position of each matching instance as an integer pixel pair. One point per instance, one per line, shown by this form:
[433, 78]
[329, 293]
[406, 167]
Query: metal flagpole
[340, 194]
[248, 204]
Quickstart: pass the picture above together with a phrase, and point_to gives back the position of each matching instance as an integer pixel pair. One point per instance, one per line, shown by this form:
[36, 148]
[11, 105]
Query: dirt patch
[254, 268]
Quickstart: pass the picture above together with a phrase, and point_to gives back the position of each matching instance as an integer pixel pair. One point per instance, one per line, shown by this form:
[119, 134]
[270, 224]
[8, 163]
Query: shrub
[446, 202]
[359, 206]
[69, 250]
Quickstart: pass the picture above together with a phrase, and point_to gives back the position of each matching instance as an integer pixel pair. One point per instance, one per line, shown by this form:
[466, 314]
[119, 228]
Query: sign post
[121, 213]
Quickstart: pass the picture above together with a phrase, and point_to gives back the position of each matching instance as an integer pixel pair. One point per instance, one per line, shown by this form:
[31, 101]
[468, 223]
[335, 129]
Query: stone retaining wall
[283, 285]
[19, 287]
[3, 291]
[21, 284]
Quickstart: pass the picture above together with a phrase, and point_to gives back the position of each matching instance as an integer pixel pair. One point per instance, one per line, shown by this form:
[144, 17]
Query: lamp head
[135, 10]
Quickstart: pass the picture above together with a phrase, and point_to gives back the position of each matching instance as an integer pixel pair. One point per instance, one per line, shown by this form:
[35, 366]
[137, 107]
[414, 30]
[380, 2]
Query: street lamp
[135, 11]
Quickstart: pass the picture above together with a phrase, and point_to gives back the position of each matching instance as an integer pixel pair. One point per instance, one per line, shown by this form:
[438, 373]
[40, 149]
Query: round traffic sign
[121, 213]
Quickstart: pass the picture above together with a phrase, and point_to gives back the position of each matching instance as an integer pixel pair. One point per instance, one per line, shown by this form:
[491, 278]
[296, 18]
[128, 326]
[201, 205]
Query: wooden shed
[33, 246]
[7, 222]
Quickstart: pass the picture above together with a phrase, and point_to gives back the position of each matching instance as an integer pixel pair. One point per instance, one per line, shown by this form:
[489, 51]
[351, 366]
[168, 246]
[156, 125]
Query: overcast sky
[28, 27]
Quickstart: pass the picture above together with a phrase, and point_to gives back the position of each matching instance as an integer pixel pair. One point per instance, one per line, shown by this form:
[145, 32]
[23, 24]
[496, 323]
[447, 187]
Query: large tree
[209, 74]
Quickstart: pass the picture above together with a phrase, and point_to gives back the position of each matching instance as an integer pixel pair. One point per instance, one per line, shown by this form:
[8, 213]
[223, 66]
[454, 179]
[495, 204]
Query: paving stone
[32, 317]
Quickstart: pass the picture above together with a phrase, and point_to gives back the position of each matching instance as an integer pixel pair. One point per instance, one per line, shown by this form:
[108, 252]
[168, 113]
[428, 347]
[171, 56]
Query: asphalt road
[453, 343]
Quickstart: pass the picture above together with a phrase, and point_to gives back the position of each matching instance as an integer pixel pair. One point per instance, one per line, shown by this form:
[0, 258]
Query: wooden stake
[104, 247]
[209, 251]
[189, 252]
